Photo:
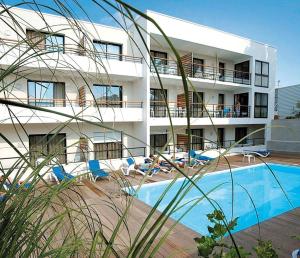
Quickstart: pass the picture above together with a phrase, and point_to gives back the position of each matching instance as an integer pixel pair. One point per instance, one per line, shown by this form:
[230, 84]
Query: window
[46, 94]
[108, 95]
[221, 101]
[110, 50]
[197, 104]
[108, 145]
[198, 67]
[221, 137]
[158, 142]
[261, 105]
[160, 58]
[54, 42]
[42, 145]
[261, 74]
[197, 140]
[221, 71]
[241, 132]
[241, 73]
[157, 103]
[47, 41]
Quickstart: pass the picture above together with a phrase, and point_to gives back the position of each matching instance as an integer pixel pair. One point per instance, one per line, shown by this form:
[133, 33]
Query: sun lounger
[131, 166]
[260, 153]
[96, 171]
[60, 174]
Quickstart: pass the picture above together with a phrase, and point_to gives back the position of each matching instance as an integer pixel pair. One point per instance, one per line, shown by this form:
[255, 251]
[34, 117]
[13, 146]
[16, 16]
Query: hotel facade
[102, 77]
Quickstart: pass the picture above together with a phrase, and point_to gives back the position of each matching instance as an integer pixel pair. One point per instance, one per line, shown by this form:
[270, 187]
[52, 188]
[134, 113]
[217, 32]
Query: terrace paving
[280, 230]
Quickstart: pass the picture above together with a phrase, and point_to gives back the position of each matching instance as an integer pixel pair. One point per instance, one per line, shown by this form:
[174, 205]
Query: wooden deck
[280, 230]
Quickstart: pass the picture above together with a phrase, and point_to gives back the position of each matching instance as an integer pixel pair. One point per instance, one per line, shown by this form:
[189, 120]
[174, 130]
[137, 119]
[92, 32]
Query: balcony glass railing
[202, 71]
[197, 110]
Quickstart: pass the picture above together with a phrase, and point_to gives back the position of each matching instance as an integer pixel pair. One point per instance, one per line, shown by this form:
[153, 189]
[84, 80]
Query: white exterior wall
[212, 45]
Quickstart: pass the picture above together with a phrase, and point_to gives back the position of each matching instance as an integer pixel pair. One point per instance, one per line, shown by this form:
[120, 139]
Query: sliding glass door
[46, 94]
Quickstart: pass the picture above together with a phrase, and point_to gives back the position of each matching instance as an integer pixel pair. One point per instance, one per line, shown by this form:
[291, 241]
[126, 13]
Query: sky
[275, 22]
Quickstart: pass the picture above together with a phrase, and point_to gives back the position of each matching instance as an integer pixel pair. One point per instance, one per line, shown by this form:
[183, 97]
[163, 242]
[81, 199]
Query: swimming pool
[261, 185]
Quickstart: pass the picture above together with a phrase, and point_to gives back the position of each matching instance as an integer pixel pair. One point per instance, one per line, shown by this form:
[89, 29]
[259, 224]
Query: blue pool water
[261, 185]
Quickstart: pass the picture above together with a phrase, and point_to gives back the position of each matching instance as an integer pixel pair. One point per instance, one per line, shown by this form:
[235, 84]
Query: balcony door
[160, 60]
[241, 73]
[221, 71]
[241, 132]
[108, 50]
[197, 104]
[158, 142]
[43, 146]
[107, 95]
[241, 102]
[197, 140]
[46, 94]
[158, 106]
[221, 102]
[198, 68]
[221, 137]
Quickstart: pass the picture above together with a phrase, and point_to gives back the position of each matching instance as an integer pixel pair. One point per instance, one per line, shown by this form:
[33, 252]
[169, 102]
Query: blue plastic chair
[96, 171]
[61, 174]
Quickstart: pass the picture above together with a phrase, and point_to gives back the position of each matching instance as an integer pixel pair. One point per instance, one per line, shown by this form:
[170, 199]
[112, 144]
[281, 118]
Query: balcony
[95, 111]
[192, 70]
[209, 145]
[71, 57]
[197, 110]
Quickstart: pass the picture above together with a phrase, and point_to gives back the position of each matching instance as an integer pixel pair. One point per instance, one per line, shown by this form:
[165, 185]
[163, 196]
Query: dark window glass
[261, 74]
[157, 103]
[241, 132]
[198, 68]
[221, 101]
[241, 72]
[108, 50]
[261, 105]
[221, 137]
[41, 146]
[197, 140]
[46, 94]
[160, 58]
[197, 104]
[108, 95]
[221, 71]
[158, 142]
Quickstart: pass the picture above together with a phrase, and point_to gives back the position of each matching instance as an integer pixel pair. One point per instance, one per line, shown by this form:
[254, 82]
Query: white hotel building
[233, 76]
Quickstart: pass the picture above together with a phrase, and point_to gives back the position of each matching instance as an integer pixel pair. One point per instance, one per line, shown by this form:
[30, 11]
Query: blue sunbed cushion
[202, 157]
[94, 166]
[263, 152]
[60, 173]
[153, 170]
[192, 153]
